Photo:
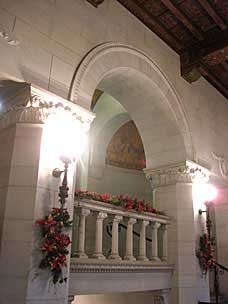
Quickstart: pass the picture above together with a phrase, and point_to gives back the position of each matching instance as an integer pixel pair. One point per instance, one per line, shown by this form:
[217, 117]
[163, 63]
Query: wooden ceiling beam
[95, 2]
[183, 18]
[211, 12]
[149, 20]
[212, 53]
[213, 80]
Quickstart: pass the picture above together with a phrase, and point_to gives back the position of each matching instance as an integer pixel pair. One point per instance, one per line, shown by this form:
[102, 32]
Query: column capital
[117, 218]
[145, 223]
[184, 172]
[101, 216]
[155, 225]
[84, 211]
[131, 221]
[164, 227]
[36, 105]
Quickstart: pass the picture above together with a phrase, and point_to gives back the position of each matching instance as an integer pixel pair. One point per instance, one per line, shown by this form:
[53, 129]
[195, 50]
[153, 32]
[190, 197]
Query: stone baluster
[98, 254]
[129, 240]
[142, 242]
[115, 238]
[155, 227]
[164, 243]
[80, 253]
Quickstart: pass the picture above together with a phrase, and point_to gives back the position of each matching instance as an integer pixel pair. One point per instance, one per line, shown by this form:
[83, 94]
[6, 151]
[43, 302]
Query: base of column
[142, 258]
[80, 255]
[99, 256]
[114, 257]
[129, 258]
[155, 259]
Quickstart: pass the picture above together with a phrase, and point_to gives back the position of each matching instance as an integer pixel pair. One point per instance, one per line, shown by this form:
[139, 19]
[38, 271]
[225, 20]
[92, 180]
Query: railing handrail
[222, 266]
[116, 210]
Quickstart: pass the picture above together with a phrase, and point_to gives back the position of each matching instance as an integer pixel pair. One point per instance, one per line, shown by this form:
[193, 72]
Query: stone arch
[109, 61]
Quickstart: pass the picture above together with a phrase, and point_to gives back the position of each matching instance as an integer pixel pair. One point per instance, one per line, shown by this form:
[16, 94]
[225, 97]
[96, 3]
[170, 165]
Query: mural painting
[125, 149]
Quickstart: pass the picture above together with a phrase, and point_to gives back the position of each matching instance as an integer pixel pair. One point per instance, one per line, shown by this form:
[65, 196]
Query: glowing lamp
[204, 192]
[64, 136]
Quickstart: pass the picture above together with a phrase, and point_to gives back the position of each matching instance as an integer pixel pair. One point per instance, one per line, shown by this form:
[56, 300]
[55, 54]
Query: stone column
[129, 240]
[154, 255]
[80, 253]
[164, 243]
[115, 238]
[173, 195]
[142, 242]
[98, 254]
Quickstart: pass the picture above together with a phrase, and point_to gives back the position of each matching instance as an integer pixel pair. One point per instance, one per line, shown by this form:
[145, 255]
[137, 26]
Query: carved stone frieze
[186, 172]
[121, 267]
[39, 106]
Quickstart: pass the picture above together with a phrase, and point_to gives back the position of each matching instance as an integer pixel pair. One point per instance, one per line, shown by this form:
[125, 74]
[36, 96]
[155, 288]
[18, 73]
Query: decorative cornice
[186, 172]
[117, 267]
[39, 106]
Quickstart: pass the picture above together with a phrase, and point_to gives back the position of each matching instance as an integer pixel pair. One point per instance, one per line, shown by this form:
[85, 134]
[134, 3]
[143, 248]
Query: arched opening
[138, 84]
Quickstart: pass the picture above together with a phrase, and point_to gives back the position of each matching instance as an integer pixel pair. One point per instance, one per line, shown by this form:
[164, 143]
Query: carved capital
[186, 172]
[131, 221]
[84, 212]
[101, 216]
[155, 225]
[95, 2]
[35, 106]
[117, 218]
[145, 223]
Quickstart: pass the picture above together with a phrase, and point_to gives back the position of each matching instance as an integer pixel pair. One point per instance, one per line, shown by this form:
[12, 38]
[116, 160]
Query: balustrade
[147, 222]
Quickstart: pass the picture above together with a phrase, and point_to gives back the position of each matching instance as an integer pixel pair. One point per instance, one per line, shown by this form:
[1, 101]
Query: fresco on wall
[125, 149]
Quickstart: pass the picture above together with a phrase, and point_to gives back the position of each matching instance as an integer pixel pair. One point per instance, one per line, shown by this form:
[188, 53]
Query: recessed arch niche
[137, 82]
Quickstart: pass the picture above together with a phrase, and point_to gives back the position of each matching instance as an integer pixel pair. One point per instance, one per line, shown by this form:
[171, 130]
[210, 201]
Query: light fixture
[64, 136]
[64, 139]
[204, 193]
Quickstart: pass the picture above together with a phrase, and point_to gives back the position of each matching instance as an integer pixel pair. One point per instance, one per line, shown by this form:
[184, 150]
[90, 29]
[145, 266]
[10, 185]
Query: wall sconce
[63, 189]
[64, 139]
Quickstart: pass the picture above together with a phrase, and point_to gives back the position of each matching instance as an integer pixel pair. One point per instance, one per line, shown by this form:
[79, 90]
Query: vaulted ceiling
[195, 29]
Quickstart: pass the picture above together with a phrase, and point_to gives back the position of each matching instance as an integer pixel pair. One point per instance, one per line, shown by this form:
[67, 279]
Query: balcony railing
[90, 246]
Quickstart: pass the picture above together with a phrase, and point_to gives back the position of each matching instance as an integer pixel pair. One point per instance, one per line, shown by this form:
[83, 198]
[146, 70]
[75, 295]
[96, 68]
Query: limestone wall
[55, 35]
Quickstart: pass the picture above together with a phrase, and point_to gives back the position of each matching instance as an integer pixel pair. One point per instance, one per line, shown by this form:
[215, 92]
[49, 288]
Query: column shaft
[154, 256]
[142, 242]
[98, 254]
[80, 253]
[115, 238]
[129, 240]
[164, 243]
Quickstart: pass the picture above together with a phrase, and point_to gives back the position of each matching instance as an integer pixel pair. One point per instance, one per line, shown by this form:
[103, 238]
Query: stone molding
[39, 106]
[90, 267]
[185, 172]
[104, 58]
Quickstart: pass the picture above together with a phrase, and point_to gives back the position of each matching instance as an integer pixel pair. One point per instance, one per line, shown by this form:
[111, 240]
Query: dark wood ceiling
[196, 29]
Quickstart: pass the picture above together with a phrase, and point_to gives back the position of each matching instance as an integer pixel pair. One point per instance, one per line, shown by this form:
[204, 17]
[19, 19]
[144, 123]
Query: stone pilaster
[172, 186]
[28, 191]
